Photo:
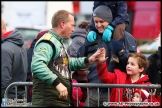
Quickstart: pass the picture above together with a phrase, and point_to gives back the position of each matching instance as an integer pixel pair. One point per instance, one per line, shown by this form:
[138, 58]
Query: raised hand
[93, 58]
[98, 56]
[101, 56]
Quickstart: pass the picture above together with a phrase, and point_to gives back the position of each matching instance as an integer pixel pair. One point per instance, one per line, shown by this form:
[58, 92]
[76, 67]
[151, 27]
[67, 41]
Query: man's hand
[98, 56]
[62, 90]
[93, 58]
[106, 36]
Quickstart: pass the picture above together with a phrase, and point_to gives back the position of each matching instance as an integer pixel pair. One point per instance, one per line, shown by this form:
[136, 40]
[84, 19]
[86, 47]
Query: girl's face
[133, 67]
[136, 97]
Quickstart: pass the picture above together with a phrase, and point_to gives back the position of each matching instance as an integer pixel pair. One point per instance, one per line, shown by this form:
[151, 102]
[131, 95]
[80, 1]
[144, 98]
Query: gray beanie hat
[103, 12]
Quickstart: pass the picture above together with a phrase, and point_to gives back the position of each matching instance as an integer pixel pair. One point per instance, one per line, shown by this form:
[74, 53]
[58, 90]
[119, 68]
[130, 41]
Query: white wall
[52, 7]
[26, 14]
[30, 14]
[86, 7]
[85, 11]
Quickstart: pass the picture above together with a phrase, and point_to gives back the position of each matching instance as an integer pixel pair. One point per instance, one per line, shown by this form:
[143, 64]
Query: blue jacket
[91, 47]
[119, 12]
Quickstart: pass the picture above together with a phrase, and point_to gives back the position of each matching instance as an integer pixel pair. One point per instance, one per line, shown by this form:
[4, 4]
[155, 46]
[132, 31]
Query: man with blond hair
[51, 66]
[13, 61]
[3, 27]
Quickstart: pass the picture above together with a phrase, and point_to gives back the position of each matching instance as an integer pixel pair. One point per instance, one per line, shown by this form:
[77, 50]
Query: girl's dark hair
[84, 25]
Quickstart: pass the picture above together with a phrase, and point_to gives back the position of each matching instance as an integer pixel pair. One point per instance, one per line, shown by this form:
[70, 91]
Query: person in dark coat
[116, 46]
[29, 57]
[78, 38]
[119, 23]
[14, 62]
[116, 28]
[30, 53]
[154, 69]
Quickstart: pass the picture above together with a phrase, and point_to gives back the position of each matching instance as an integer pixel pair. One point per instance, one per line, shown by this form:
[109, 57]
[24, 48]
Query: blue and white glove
[106, 36]
[91, 36]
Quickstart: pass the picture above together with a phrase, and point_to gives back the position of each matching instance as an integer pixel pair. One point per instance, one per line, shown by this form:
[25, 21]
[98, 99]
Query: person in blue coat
[119, 23]
[122, 48]
[116, 28]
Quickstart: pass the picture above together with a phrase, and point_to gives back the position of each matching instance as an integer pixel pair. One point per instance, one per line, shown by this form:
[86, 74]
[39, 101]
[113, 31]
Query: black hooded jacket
[154, 69]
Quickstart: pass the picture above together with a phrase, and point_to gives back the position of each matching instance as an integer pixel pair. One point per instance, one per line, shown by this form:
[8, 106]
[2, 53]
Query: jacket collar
[56, 36]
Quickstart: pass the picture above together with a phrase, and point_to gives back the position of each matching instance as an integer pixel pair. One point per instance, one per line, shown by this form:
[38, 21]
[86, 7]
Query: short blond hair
[59, 16]
[3, 24]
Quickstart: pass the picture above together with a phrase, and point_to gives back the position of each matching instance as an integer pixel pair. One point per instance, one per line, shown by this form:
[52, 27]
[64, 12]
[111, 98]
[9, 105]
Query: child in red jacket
[140, 95]
[136, 66]
[74, 95]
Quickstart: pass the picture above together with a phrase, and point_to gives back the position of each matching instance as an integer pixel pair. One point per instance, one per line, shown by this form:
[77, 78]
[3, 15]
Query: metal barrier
[18, 84]
[88, 85]
[108, 86]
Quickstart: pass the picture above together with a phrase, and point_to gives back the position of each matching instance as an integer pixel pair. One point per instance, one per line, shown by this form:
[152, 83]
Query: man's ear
[62, 24]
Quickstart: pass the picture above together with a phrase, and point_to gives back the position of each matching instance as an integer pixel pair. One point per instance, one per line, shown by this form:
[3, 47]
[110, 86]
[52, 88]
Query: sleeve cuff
[56, 81]
[112, 26]
[86, 60]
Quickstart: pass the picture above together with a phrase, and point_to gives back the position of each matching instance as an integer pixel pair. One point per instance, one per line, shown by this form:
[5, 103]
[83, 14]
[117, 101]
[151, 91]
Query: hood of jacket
[143, 79]
[15, 37]
[79, 32]
[158, 52]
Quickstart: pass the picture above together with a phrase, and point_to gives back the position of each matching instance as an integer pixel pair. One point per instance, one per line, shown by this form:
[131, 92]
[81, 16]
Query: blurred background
[31, 17]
